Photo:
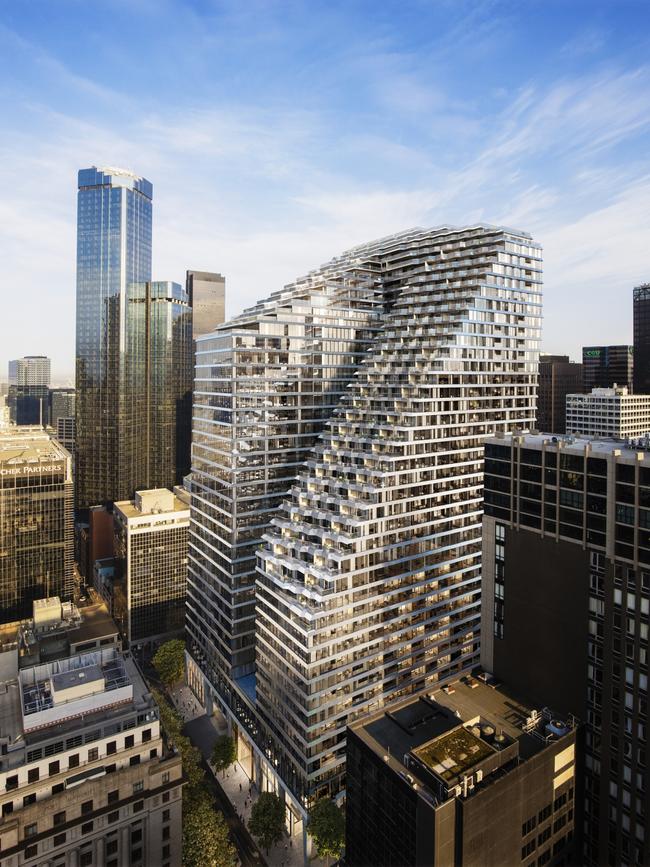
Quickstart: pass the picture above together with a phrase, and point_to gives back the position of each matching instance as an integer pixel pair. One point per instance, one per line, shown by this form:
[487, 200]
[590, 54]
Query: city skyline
[289, 131]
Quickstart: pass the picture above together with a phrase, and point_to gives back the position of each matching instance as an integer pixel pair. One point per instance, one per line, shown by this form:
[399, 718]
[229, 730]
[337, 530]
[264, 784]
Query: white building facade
[609, 413]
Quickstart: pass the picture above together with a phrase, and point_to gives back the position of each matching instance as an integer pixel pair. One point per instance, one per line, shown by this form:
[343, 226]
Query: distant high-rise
[36, 520]
[641, 307]
[113, 262]
[557, 377]
[62, 401]
[339, 429]
[29, 381]
[134, 348]
[207, 294]
[606, 366]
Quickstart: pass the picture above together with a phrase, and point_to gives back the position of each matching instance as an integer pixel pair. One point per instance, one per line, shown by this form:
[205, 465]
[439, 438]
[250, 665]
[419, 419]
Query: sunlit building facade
[113, 261]
[368, 575]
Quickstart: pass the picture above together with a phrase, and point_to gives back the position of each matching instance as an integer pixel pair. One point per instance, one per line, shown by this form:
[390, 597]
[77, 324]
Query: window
[560, 802]
[146, 736]
[113, 817]
[544, 858]
[58, 787]
[136, 836]
[165, 777]
[73, 761]
[139, 805]
[111, 748]
[165, 815]
[86, 807]
[134, 760]
[165, 833]
[165, 851]
[138, 787]
[153, 753]
[11, 783]
[165, 797]
[59, 839]
[93, 754]
[129, 740]
[31, 830]
[111, 847]
[113, 796]
[29, 799]
[87, 827]
[7, 808]
[31, 851]
[544, 836]
[86, 859]
[32, 775]
[528, 848]
[110, 769]
[59, 818]
[53, 768]
[528, 826]
[136, 854]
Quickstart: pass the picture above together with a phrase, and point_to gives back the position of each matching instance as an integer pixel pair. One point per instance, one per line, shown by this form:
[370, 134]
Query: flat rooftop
[576, 444]
[130, 510]
[22, 445]
[451, 732]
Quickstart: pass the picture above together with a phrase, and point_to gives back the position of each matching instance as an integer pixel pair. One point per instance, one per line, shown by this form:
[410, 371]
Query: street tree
[267, 820]
[224, 753]
[205, 835]
[327, 828]
[169, 661]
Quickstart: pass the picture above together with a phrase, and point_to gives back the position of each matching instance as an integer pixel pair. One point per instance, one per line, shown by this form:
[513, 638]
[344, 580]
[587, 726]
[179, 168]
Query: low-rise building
[611, 413]
[151, 537]
[85, 776]
[468, 775]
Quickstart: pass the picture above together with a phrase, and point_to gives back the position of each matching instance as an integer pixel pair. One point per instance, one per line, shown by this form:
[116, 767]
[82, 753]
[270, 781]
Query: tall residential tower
[368, 575]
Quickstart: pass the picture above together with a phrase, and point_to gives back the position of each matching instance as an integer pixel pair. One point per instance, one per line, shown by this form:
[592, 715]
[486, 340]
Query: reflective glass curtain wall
[113, 256]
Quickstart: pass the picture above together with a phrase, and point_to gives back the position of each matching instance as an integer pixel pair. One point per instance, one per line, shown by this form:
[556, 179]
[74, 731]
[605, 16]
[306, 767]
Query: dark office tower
[113, 261]
[604, 366]
[641, 303]
[36, 520]
[168, 374]
[355, 458]
[557, 377]
[207, 294]
[61, 404]
[566, 611]
[29, 381]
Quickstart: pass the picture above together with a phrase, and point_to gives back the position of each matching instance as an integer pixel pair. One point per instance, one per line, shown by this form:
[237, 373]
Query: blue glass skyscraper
[113, 261]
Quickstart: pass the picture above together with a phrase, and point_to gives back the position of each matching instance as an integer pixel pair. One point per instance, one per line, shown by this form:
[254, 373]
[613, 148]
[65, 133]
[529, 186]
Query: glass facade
[36, 520]
[113, 260]
[368, 575]
[641, 306]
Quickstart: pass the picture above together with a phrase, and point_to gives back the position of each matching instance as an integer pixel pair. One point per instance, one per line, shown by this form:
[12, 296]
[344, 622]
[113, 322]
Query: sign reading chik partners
[32, 469]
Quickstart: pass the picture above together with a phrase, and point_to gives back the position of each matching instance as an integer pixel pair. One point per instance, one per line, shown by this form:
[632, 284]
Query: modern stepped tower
[368, 584]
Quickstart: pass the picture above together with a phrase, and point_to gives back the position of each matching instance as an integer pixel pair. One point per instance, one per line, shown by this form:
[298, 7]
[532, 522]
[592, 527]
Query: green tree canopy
[327, 828]
[224, 753]
[267, 819]
[169, 661]
[205, 836]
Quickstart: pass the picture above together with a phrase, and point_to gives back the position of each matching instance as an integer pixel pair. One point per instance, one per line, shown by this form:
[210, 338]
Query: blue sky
[278, 134]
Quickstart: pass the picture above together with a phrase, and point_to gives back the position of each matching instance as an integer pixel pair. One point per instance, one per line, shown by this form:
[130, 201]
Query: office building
[472, 776]
[113, 262]
[65, 428]
[28, 394]
[606, 366]
[641, 308]
[608, 413]
[368, 576]
[169, 384]
[207, 296]
[85, 776]
[558, 376]
[566, 610]
[61, 404]
[150, 577]
[36, 520]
